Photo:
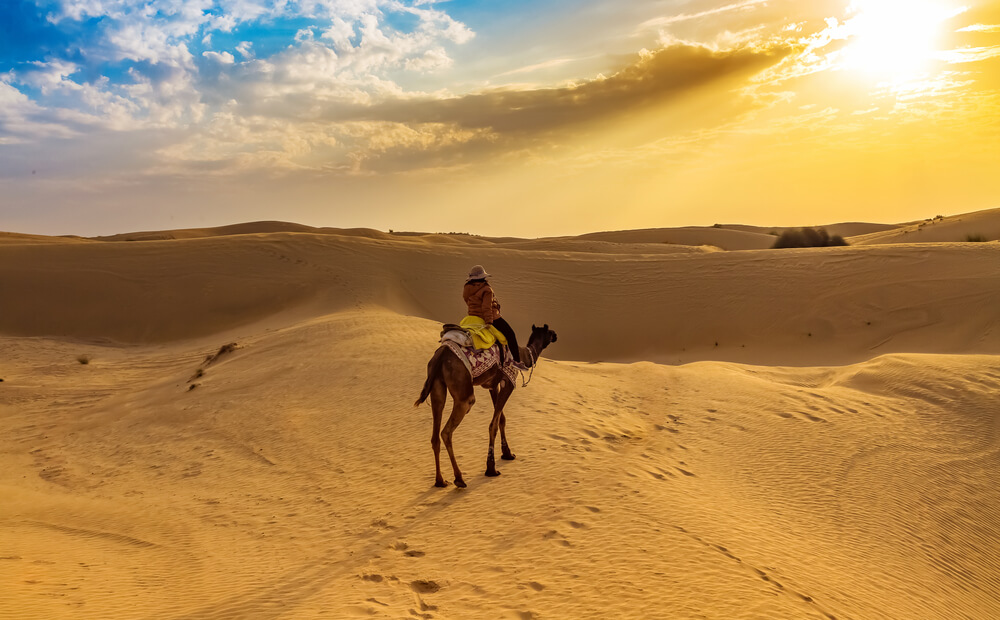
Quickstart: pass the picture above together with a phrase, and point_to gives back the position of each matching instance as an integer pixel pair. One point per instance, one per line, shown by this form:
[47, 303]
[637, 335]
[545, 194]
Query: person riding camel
[482, 302]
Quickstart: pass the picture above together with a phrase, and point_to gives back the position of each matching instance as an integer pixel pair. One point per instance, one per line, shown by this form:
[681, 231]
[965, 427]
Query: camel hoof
[441, 483]
[460, 483]
[492, 474]
[509, 456]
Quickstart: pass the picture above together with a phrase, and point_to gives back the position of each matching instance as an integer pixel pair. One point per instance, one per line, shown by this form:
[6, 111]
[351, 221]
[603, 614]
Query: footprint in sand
[812, 418]
[559, 538]
[405, 548]
[726, 553]
[423, 586]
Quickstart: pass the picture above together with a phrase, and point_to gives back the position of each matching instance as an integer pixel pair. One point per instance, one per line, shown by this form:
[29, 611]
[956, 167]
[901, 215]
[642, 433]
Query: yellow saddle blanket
[483, 336]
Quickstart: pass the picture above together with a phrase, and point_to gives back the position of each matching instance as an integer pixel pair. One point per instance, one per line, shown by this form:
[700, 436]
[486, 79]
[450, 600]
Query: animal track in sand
[661, 474]
[423, 586]
[381, 524]
[762, 574]
[812, 418]
[405, 548]
[558, 537]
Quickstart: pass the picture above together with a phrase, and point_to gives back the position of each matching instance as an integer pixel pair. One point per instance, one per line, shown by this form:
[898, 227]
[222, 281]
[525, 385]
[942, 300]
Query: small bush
[808, 238]
[83, 359]
[975, 239]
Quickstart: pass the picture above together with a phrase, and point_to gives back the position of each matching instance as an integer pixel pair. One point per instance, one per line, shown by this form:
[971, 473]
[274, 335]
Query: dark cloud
[655, 78]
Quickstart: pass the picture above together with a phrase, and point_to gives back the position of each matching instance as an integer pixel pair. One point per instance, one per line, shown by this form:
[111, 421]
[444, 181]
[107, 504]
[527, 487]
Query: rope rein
[533, 360]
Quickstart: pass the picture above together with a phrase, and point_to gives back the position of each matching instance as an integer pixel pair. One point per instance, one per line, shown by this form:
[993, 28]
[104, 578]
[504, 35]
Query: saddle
[478, 345]
[473, 332]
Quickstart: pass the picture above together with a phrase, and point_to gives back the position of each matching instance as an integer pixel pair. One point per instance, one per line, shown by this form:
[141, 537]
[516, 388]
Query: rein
[533, 360]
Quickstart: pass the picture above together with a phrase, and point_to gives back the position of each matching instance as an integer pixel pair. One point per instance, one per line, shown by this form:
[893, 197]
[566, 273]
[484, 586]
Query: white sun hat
[478, 273]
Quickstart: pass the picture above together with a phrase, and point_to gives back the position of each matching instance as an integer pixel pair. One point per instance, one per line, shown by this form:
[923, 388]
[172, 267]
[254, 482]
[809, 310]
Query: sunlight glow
[895, 39]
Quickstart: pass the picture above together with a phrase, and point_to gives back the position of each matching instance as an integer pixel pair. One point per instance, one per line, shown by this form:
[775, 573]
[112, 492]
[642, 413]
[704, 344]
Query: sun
[894, 39]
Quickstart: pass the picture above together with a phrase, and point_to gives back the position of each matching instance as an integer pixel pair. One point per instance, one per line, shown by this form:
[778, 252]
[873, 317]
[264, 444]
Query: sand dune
[844, 229]
[980, 226]
[247, 228]
[826, 447]
[810, 306]
[7, 238]
[724, 238]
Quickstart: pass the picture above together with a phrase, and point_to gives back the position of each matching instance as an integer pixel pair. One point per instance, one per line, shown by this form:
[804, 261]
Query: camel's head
[542, 334]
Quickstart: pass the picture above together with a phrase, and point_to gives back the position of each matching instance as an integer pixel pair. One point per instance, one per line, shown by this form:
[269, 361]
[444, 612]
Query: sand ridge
[799, 307]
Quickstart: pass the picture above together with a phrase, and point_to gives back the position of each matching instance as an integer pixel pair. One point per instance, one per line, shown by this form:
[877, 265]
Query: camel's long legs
[506, 455]
[438, 395]
[499, 397]
[458, 411]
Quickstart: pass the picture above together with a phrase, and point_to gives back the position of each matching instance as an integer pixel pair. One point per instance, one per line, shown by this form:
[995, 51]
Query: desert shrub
[975, 239]
[807, 238]
[83, 359]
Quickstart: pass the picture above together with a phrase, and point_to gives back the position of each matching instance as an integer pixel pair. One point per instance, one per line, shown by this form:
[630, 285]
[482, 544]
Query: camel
[446, 373]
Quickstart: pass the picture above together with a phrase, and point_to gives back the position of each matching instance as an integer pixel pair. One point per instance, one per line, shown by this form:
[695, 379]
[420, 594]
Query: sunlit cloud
[969, 54]
[661, 22]
[548, 64]
[980, 28]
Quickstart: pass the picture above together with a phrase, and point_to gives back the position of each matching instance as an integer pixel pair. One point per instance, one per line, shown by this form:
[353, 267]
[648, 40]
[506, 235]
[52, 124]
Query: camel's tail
[433, 370]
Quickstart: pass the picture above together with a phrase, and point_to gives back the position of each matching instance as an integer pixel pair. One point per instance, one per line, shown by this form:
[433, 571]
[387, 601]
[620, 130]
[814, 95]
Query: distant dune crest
[977, 226]
[662, 295]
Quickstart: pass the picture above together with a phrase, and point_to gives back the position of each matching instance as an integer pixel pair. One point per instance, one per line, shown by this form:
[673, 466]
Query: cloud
[660, 22]
[245, 48]
[980, 28]
[223, 58]
[548, 64]
[969, 54]
[307, 109]
[149, 61]
[654, 78]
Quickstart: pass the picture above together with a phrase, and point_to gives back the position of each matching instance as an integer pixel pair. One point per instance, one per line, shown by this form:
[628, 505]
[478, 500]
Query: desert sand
[720, 431]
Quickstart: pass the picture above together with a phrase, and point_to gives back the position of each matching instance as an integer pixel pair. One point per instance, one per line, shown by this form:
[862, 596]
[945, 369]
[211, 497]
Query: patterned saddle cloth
[478, 361]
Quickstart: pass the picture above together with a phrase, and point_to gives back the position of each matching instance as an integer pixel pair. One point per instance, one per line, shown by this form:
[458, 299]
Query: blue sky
[125, 114]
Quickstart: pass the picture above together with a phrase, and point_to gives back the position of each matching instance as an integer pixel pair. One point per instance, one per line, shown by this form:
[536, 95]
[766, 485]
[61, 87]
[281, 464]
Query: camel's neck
[534, 349]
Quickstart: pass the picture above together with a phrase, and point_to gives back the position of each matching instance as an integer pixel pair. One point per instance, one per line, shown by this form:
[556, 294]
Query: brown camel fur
[448, 374]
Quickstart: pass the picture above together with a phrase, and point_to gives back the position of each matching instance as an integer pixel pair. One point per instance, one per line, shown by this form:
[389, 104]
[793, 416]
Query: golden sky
[527, 119]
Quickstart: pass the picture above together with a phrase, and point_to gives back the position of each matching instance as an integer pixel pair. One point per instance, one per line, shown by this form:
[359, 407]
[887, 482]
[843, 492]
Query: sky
[520, 118]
